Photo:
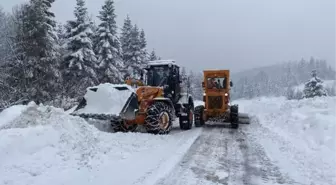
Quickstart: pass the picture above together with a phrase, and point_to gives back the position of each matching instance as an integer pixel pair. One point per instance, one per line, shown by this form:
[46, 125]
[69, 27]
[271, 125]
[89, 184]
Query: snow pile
[311, 120]
[10, 113]
[44, 145]
[300, 133]
[107, 99]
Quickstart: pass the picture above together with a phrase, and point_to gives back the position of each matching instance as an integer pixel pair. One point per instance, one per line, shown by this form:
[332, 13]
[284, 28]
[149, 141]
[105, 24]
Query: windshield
[157, 75]
[216, 83]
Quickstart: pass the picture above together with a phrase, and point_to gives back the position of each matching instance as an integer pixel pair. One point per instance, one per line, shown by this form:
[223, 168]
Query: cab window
[216, 83]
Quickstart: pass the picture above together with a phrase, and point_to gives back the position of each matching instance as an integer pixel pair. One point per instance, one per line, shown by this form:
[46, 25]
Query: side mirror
[231, 84]
[203, 85]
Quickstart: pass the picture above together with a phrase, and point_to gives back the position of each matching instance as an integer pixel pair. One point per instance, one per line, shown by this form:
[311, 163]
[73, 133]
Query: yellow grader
[154, 103]
[217, 108]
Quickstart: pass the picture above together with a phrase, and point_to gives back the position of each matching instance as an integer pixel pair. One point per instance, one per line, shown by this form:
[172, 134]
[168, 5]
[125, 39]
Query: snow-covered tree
[5, 30]
[314, 87]
[80, 64]
[135, 53]
[108, 46]
[125, 40]
[34, 69]
[60, 31]
[153, 56]
[143, 45]
[131, 49]
[184, 78]
[197, 89]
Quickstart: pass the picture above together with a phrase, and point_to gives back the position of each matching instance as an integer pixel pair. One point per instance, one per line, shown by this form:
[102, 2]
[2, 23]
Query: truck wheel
[234, 116]
[159, 118]
[199, 120]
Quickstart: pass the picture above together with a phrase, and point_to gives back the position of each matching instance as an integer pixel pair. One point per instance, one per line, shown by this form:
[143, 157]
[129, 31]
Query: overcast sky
[232, 34]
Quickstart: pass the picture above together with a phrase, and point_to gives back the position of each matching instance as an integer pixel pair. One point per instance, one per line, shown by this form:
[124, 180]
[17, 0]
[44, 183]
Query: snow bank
[299, 134]
[43, 145]
[9, 114]
[310, 120]
[106, 100]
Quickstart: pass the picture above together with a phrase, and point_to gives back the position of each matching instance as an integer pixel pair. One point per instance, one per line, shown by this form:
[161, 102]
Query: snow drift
[298, 134]
[44, 145]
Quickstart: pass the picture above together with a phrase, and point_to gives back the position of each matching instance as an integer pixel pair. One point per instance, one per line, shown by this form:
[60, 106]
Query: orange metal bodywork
[223, 111]
[146, 95]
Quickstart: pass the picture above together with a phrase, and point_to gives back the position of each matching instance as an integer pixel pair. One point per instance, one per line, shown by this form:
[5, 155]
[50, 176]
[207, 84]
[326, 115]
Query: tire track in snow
[225, 156]
[303, 168]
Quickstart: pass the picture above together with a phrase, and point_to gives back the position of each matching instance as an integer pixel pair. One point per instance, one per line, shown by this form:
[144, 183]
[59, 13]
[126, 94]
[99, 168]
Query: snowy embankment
[299, 135]
[43, 145]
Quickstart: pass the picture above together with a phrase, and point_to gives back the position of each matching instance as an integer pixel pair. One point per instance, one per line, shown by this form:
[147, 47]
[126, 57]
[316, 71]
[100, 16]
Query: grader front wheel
[159, 118]
[234, 119]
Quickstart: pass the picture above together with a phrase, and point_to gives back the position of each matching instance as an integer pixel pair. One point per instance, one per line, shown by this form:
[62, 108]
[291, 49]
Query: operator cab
[164, 73]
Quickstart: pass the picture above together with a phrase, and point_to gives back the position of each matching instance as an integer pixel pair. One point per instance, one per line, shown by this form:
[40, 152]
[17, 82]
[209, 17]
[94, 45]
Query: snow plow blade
[243, 118]
[108, 102]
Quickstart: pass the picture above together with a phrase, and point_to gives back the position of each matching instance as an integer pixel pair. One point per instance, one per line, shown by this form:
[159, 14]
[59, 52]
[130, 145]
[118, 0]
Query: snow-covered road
[225, 156]
[287, 142]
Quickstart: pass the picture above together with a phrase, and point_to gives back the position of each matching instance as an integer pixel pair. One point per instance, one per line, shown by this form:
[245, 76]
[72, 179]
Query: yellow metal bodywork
[223, 92]
[146, 95]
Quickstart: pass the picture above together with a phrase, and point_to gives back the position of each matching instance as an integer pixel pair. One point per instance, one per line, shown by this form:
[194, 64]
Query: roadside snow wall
[44, 145]
[298, 134]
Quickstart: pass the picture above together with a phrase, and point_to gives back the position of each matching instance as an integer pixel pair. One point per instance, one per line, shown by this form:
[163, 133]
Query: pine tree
[60, 30]
[153, 56]
[143, 45]
[108, 47]
[61, 34]
[135, 53]
[80, 64]
[4, 30]
[314, 87]
[94, 37]
[35, 51]
[131, 49]
[197, 86]
[125, 40]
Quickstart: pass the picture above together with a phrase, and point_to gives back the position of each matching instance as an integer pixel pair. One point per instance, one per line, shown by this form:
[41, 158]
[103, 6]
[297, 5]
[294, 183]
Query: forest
[52, 63]
[48, 62]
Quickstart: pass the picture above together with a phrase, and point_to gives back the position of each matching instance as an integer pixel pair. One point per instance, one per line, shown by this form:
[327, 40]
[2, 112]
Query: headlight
[226, 94]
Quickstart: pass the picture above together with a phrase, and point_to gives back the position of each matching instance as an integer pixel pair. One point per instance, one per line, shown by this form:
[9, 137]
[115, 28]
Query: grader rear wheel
[159, 118]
